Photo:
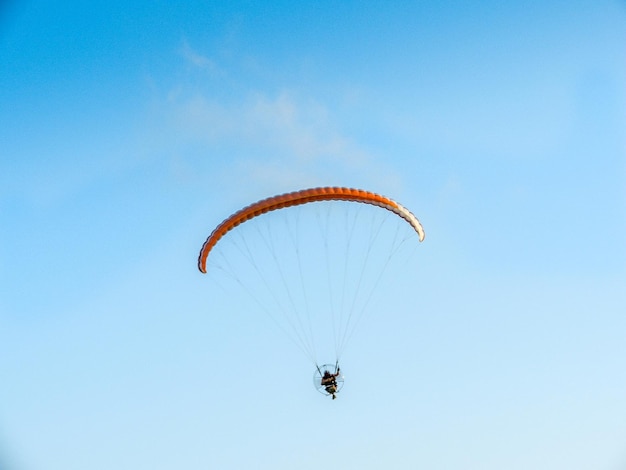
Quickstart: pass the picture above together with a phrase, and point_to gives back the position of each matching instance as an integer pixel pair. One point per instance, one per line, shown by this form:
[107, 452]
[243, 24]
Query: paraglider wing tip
[201, 266]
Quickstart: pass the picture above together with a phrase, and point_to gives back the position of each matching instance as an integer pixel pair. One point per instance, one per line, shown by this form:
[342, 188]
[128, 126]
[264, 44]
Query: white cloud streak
[280, 139]
[199, 61]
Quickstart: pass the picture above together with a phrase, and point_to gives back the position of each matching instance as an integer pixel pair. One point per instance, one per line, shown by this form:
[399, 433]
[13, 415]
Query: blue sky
[128, 130]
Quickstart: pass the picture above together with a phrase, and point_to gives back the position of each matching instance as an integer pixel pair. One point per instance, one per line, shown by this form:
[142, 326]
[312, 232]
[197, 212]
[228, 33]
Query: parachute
[303, 197]
[312, 259]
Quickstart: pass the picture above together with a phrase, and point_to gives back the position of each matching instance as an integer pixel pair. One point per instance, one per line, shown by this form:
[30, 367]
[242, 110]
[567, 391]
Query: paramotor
[312, 260]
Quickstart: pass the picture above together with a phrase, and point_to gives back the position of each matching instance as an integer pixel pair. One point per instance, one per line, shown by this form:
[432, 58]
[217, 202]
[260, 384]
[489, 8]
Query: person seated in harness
[329, 382]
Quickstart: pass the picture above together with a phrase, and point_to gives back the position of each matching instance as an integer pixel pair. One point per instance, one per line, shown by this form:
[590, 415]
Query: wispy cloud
[198, 60]
[281, 138]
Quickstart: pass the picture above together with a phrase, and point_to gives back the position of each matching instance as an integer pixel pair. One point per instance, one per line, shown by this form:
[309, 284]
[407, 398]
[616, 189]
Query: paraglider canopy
[303, 197]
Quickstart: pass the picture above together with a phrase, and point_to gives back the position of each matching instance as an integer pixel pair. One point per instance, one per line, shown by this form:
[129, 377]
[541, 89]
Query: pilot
[329, 382]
